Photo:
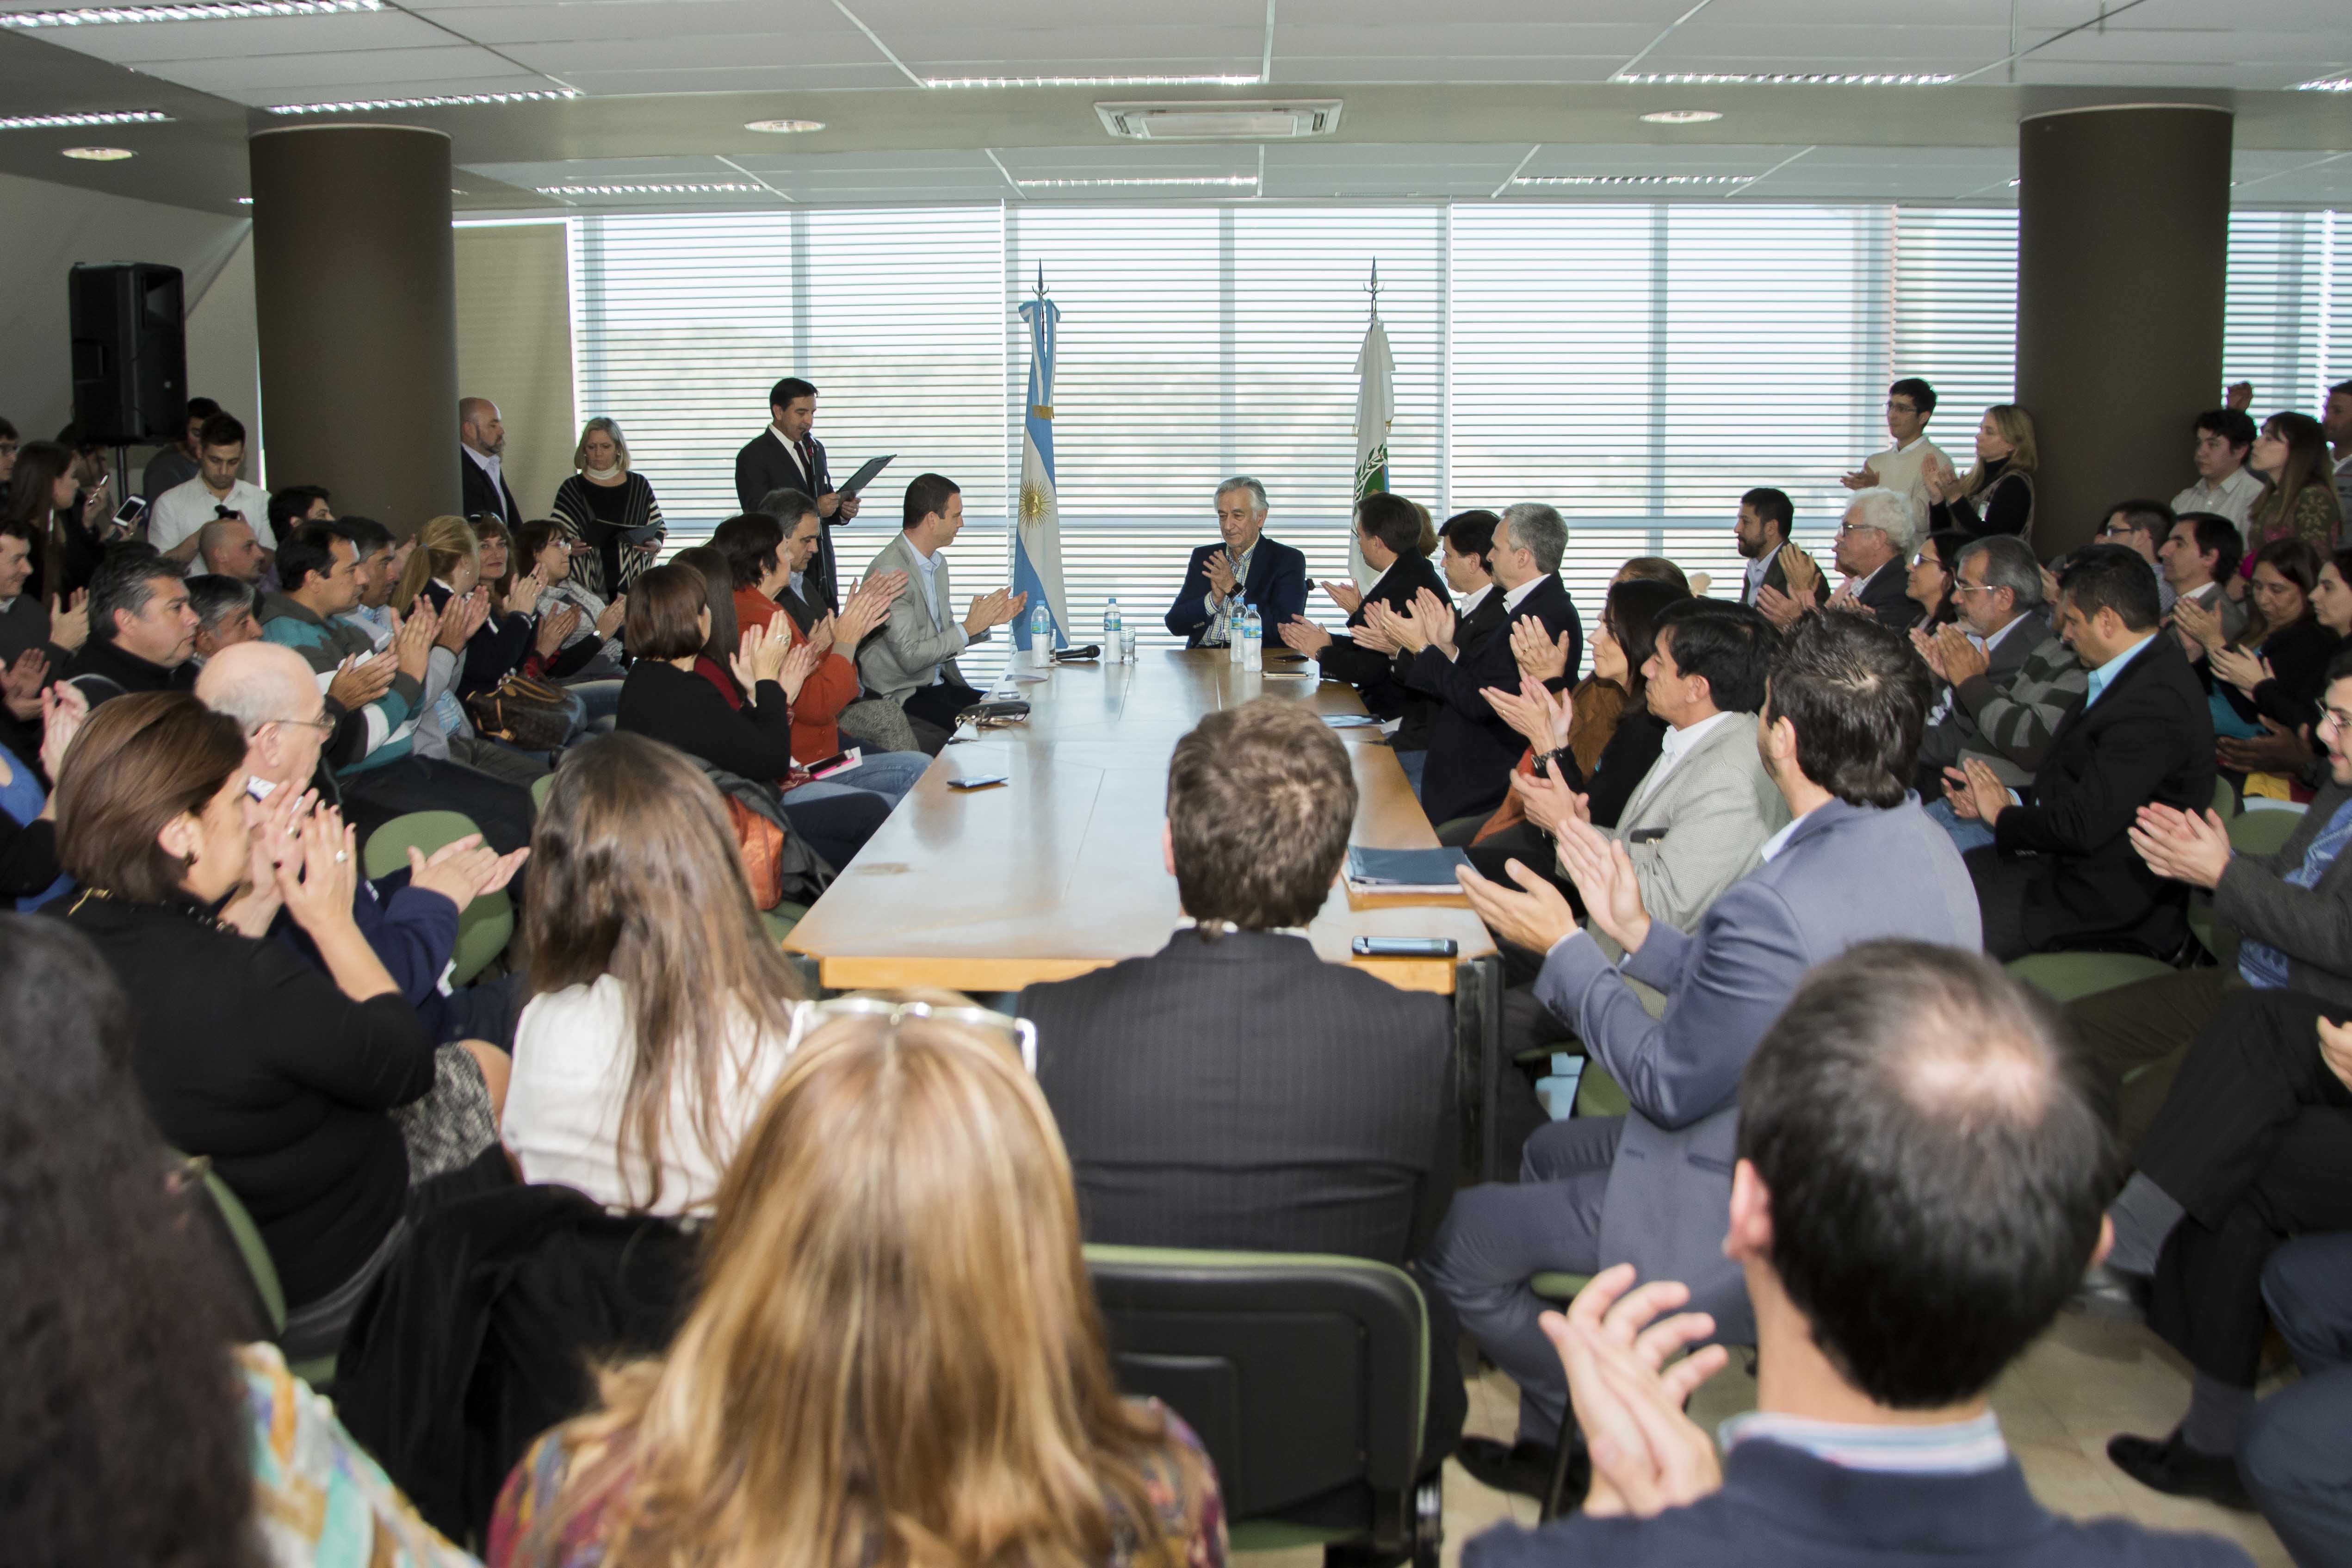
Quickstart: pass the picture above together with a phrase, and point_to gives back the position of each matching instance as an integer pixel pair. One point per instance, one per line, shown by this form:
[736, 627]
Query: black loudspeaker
[130, 353]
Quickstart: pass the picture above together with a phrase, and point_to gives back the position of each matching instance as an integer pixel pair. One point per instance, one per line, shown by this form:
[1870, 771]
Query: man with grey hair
[1873, 548]
[1472, 749]
[1246, 569]
[225, 615]
[2008, 680]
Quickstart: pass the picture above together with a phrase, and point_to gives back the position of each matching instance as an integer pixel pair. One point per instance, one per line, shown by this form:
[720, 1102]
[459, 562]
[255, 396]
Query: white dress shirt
[2233, 496]
[184, 508]
[563, 1117]
[928, 573]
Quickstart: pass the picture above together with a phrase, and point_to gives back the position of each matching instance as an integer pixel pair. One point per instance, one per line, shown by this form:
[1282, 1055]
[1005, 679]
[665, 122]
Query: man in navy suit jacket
[1840, 735]
[1247, 568]
[1920, 1169]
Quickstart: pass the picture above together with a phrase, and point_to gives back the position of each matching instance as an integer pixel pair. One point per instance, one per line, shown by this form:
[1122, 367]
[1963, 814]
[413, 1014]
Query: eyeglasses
[1968, 587]
[1846, 527]
[1019, 1033]
[324, 725]
[2338, 717]
[1923, 559]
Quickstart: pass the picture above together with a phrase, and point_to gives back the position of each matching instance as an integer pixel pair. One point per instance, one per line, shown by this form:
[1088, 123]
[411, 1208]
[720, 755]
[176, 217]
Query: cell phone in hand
[839, 762]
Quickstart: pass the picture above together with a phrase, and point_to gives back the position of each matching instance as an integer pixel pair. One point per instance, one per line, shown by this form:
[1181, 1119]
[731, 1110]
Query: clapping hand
[2197, 622]
[1435, 616]
[615, 615]
[21, 682]
[63, 708]
[1862, 478]
[1537, 655]
[2239, 668]
[522, 599]
[2181, 844]
[1648, 1455]
[330, 865]
[2279, 751]
[1305, 635]
[800, 662]
[1962, 659]
[1976, 792]
[1533, 915]
[757, 658]
[361, 682]
[1345, 594]
[867, 607]
[1936, 476]
[477, 612]
[70, 621]
[1777, 607]
[455, 870]
[1390, 631]
[2336, 1050]
[412, 639]
[555, 630]
[1222, 581]
[1533, 712]
[1802, 572]
[1549, 804]
[273, 835]
[1604, 874]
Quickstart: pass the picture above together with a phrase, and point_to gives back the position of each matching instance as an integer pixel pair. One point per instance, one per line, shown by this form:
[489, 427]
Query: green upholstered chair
[782, 918]
[2067, 976]
[1303, 1374]
[2225, 797]
[319, 1371]
[1596, 1094]
[539, 788]
[2262, 831]
[487, 924]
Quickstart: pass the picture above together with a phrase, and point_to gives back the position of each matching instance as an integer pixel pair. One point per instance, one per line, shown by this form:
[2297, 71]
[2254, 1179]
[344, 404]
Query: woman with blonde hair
[607, 506]
[895, 1358]
[1997, 496]
[661, 1009]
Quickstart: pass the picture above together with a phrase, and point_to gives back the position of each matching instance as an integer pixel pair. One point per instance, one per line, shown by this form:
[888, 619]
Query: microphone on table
[1068, 655]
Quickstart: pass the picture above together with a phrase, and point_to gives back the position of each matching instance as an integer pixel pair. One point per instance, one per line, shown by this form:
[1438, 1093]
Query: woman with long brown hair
[661, 1009]
[48, 509]
[896, 1357]
[2298, 499]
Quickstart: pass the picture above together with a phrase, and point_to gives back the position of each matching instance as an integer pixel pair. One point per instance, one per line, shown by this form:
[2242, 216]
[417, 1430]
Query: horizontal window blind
[1638, 366]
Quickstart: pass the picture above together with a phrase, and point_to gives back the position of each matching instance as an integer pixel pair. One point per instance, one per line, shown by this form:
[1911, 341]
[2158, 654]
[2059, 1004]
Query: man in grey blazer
[911, 658]
[1839, 733]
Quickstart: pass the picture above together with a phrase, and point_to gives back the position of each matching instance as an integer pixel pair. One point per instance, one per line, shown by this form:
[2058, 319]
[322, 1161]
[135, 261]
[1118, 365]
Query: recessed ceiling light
[1789, 78]
[1227, 180]
[1632, 179]
[1093, 80]
[2326, 84]
[448, 101]
[783, 127]
[101, 154]
[205, 11]
[1682, 116]
[661, 188]
[75, 122]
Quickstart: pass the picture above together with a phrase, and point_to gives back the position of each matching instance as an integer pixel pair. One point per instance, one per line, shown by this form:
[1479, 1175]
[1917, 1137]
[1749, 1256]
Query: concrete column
[2123, 249]
[355, 300]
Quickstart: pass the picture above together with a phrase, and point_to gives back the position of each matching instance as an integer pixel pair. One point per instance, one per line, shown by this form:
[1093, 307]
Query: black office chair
[1305, 1377]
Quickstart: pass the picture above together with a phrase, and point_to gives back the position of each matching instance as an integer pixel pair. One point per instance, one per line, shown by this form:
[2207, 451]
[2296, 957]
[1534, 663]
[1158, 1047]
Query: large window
[1638, 366]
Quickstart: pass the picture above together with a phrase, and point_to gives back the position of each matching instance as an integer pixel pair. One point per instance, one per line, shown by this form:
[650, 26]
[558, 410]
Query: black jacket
[1241, 1093]
[249, 1055]
[1780, 1505]
[1888, 595]
[1276, 585]
[1471, 749]
[104, 670]
[482, 497]
[1373, 674]
[2298, 655]
[1777, 577]
[495, 650]
[679, 706]
[2149, 737]
[766, 464]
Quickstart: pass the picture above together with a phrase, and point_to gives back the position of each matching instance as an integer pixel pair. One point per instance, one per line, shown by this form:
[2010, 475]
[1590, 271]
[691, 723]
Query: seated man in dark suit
[1388, 530]
[1472, 748]
[1860, 862]
[2060, 872]
[1920, 1175]
[2297, 1454]
[1233, 1090]
[1223, 580]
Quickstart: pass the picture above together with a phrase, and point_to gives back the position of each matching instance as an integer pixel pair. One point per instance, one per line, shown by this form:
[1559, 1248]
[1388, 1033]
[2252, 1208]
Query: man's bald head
[229, 549]
[257, 683]
[479, 426]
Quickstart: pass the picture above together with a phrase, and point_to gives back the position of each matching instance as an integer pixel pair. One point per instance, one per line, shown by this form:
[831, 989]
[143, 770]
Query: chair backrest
[2265, 829]
[487, 924]
[546, 782]
[2225, 796]
[259, 1266]
[1299, 1372]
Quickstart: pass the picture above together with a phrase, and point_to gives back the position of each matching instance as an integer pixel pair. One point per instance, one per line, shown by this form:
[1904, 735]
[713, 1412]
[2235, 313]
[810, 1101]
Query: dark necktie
[808, 458]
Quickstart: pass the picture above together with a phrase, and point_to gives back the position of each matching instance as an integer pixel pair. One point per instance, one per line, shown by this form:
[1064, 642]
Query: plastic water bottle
[1235, 633]
[1253, 639]
[1041, 632]
[1111, 623]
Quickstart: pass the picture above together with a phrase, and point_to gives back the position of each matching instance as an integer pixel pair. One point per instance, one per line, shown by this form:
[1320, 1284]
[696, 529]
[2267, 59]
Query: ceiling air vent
[1259, 121]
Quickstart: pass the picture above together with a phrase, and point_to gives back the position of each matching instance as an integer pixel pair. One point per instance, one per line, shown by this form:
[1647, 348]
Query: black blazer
[1780, 1505]
[2149, 737]
[1276, 585]
[682, 708]
[1240, 1094]
[1888, 596]
[2298, 653]
[495, 650]
[484, 499]
[1777, 577]
[1471, 749]
[766, 464]
[249, 1055]
[1373, 674]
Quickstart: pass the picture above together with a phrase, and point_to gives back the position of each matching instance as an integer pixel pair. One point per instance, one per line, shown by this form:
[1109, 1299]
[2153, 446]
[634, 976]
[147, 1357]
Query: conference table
[1059, 871]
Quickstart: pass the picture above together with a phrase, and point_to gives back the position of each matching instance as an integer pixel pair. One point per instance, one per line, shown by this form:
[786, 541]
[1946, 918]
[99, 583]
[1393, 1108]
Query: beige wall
[514, 347]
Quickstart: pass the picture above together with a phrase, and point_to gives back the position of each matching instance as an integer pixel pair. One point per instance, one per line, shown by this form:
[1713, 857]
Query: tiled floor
[2085, 1381]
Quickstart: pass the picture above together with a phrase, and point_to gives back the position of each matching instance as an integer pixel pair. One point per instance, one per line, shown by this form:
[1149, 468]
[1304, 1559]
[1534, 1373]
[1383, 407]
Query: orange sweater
[830, 688]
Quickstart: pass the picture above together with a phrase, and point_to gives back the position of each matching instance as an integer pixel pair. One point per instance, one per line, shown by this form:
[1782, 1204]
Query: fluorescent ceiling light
[101, 154]
[1788, 78]
[364, 104]
[1632, 179]
[783, 127]
[1252, 80]
[71, 122]
[1682, 116]
[2326, 84]
[660, 188]
[1227, 180]
[205, 11]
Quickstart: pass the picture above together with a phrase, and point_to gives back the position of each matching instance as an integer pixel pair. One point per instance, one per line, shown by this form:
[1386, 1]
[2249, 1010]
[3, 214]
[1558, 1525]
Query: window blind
[1638, 366]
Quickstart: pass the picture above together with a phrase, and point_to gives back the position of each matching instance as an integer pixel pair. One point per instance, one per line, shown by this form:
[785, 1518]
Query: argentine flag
[1037, 534]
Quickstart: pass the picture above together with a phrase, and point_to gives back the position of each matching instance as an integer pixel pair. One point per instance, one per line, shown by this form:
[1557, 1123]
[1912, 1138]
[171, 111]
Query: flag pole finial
[1041, 280]
[1373, 289]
